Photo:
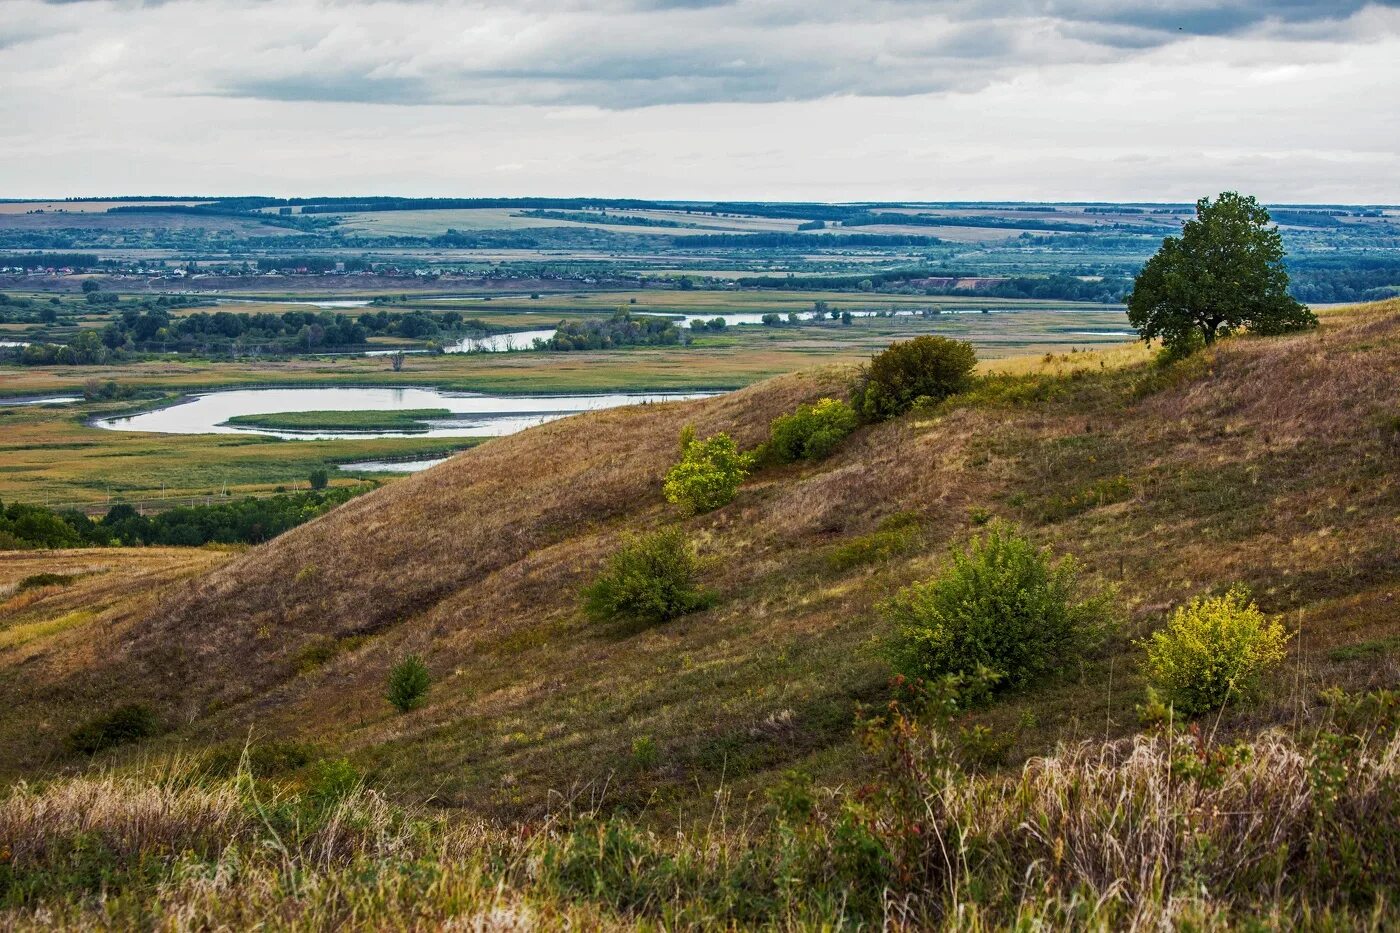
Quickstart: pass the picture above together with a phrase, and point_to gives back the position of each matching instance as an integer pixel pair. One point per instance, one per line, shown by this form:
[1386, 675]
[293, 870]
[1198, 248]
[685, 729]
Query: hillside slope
[1269, 462]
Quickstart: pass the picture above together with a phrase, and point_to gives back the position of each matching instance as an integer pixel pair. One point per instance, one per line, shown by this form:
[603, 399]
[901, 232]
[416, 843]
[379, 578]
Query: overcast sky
[1294, 100]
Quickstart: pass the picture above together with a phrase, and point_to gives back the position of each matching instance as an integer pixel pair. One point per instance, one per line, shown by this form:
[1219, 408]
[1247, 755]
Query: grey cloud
[637, 53]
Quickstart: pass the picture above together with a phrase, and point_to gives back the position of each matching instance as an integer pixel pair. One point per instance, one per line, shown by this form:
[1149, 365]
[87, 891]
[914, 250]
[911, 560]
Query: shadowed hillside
[1269, 462]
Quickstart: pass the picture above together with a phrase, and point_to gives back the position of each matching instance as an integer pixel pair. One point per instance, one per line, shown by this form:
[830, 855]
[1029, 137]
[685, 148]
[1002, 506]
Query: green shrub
[909, 371]
[650, 579]
[708, 474]
[1213, 651]
[129, 723]
[409, 681]
[1003, 607]
[812, 432]
[319, 477]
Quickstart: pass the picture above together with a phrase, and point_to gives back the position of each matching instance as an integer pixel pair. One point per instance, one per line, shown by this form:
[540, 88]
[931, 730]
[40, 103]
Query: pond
[49, 400]
[469, 414]
[500, 343]
[392, 466]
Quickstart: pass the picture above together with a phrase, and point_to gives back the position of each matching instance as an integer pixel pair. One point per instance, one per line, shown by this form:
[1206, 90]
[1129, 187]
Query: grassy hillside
[1267, 462]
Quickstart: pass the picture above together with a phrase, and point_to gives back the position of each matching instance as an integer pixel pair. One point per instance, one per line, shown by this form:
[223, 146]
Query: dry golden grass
[1270, 462]
[68, 631]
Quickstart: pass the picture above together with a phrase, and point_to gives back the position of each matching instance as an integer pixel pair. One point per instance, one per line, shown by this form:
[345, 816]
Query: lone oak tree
[1224, 273]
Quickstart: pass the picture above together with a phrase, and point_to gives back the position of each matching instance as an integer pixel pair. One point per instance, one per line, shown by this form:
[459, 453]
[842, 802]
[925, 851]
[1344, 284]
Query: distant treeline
[154, 329]
[1055, 287]
[348, 205]
[50, 261]
[1344, 278]
[544, 237]
[1106, 290]
[621, 330]
[150, 328]
[800, 241]
[842, 282]
[21, 309]
[239, 521]
[311, 264]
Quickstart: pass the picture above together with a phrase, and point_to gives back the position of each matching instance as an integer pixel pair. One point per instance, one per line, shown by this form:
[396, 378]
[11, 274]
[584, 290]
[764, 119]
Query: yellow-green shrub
[811, 432]
[1214, 651]
[708, 475]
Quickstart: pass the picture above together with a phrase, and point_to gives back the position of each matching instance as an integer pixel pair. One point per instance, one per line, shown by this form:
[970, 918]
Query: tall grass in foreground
[1168, 828]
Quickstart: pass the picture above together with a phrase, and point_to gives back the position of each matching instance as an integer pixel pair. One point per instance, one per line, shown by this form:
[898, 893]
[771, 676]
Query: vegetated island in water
[404, 419]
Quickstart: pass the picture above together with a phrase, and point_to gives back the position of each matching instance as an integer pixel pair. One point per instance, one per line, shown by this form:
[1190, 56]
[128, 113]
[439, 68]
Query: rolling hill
[1269, 462]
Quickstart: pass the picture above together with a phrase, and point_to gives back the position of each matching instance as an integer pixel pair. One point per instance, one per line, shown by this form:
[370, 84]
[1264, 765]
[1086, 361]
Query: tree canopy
[1223, 274]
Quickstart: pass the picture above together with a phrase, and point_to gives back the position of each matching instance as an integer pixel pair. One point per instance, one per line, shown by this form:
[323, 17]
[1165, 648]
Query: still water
[472, 414]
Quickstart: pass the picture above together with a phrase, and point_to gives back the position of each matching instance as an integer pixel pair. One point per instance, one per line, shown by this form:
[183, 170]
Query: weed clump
[896, 534]
[708, 475]
[1214, 651]
[651, 578]
[131, 722]
[909, 372]
[36, 580]
[810, 433]
[409, 681]
[1003, 606]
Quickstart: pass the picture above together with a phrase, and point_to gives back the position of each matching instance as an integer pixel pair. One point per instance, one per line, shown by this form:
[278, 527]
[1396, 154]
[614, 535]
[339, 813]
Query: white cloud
[779, 98]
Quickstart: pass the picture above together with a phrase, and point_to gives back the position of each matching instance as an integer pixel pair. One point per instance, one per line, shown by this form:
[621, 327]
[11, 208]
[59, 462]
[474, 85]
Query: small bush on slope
[409, 681]
[129, 723]
[1004, 606]
[811, 432]
[650, 579]
[909, 371]
[708, 475]
[1214, 651]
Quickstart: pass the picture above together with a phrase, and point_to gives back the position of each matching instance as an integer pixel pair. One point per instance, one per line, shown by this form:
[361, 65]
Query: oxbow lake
[472, 414]
[525, 340]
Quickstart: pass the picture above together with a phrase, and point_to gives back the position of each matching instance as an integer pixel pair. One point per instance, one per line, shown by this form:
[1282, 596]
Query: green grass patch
[1365, 650]
[22, 634]
[404, 419]
[1098, 493]
[322, 648]
[896, 535]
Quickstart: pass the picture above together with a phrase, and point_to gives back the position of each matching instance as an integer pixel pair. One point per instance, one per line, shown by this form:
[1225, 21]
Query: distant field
[82, 207]
[133, 225]
[436, 222]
